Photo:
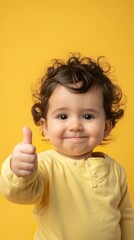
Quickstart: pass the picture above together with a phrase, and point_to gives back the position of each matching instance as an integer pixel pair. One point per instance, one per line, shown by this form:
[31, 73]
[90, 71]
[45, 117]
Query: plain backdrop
[32, 33]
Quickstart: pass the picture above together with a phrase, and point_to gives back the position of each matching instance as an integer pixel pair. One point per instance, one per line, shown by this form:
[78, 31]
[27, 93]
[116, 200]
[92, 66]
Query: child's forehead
[59, 89]
[63, 96]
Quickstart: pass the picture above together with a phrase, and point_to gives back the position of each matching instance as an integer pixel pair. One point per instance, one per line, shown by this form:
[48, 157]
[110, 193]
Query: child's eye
[62, 116]
[87, 116]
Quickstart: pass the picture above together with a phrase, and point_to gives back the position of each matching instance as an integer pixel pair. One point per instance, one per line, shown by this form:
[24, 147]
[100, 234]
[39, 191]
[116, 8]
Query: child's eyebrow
[60, 110]
[91, 110]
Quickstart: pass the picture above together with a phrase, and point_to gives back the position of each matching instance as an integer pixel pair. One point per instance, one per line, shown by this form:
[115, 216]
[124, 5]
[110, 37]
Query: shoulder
[116, 168]
[47, 158]
[47, 155]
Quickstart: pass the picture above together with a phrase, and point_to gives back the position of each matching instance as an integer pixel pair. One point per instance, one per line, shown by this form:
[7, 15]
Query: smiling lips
[75, 138]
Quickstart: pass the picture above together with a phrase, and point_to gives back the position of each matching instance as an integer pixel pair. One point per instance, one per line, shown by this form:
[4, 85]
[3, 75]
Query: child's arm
[20, 181]
[127, 213]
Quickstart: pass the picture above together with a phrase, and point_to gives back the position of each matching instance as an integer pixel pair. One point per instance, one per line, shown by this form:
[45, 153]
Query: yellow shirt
[74, 199]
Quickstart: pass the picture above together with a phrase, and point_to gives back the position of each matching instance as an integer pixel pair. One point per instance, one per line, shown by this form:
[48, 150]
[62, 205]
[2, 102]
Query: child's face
[76, 123]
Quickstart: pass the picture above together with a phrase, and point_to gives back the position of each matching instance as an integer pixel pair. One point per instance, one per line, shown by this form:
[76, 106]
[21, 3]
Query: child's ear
[43, 124]
[108, 128]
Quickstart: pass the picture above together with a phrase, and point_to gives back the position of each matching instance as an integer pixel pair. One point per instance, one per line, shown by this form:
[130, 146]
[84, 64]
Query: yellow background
[32, 33]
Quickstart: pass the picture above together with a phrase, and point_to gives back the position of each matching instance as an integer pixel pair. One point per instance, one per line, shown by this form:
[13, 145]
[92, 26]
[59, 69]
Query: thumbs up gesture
[24, 158]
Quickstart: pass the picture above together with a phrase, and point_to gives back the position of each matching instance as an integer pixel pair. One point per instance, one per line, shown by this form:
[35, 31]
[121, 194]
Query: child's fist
[24, 158]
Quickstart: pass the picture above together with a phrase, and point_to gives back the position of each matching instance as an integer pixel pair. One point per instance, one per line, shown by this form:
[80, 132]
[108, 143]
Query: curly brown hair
[86, 71]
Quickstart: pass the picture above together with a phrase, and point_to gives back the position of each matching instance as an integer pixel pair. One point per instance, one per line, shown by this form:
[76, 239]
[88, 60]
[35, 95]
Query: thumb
[27, 135]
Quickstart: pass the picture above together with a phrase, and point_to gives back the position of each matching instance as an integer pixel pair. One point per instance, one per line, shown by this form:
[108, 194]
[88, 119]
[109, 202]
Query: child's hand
[24, 158]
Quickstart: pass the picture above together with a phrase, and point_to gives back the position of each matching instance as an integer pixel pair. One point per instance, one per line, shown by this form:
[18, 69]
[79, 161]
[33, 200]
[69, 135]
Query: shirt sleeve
[127, 212]
[27, 190]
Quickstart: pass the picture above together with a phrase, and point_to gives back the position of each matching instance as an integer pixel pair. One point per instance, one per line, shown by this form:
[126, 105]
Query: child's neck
[84, 156]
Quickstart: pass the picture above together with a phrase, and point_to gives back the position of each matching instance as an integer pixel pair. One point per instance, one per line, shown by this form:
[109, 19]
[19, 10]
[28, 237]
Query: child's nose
[75, 125]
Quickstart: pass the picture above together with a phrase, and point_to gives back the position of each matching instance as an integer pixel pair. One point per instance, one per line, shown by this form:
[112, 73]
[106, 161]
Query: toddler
[78, 193]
